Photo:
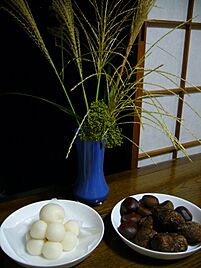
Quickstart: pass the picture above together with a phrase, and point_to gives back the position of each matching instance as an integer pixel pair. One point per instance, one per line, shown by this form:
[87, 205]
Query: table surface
[181, 178]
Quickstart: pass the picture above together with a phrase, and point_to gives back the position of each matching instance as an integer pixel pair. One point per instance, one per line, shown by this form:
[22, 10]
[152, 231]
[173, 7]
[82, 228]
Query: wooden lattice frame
[188, 25]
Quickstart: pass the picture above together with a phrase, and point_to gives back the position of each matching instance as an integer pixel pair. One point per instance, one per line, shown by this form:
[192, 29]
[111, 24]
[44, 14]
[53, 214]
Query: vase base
[90, 202]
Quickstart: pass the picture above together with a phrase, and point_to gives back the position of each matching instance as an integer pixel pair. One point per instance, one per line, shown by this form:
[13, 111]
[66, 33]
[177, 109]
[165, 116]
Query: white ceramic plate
[195, 210]
[15, 226]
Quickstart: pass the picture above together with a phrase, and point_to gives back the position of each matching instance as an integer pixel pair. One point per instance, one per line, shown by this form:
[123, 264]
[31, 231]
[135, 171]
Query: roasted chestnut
[167, 205]
[145, 233]
[129, 205]
[172, 221]
[149, 201]
[132, 217]
[169, 242]
[128, 229]
[185, 213]
[192, 232]
[167, 220]
[143, 211]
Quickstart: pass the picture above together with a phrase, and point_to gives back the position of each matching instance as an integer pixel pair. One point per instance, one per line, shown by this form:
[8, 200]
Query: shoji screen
[178, 53]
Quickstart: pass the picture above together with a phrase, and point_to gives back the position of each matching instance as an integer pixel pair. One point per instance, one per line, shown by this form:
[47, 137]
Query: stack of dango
[52, 234]
[158, 226]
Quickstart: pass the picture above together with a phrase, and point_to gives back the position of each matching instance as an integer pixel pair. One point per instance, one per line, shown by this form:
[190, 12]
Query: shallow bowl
[14, 228]
[195, 210]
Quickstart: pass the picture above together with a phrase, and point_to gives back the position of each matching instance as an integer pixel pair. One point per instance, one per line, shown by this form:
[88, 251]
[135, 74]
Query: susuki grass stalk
[101, 37]
[64, 11]
[22, 14]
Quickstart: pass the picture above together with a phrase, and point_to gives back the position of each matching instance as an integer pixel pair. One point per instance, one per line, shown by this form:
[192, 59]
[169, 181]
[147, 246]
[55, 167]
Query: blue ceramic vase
[90, 186]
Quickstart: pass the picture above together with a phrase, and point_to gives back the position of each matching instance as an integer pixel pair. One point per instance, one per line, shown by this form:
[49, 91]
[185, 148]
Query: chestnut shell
[184, 212]
[149, 201]
[128, 229]
[129, 205]
[132, 217]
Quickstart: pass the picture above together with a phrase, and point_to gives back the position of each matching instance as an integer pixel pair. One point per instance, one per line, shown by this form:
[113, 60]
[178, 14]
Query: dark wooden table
[180, 178]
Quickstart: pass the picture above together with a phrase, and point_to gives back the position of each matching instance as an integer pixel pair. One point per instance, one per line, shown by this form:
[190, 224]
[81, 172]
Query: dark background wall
[34, 135]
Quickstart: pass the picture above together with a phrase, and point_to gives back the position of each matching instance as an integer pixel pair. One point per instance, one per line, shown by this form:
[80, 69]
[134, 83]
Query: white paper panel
[150, 137]
[197, 11]
[168, 52]
[194, 61]
[190, 151]
[154, 160]
[192, 118]
[169, 10]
